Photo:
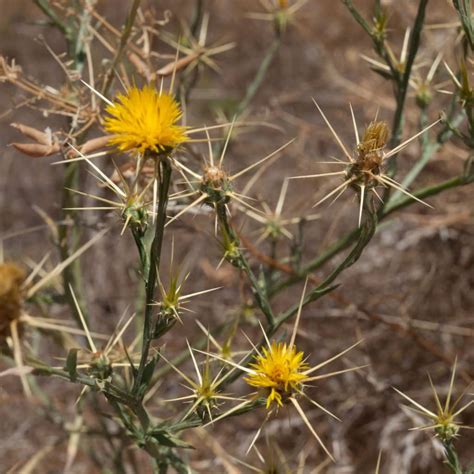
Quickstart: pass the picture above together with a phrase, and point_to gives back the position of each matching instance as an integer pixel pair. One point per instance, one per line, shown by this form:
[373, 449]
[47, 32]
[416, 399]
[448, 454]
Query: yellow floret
[280, 370]
[145, 120]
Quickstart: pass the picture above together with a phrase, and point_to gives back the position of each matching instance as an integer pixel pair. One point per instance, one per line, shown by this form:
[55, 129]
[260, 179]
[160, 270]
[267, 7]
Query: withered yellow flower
[279, 370]
[365, 170]
[11, 278]
[145, 120]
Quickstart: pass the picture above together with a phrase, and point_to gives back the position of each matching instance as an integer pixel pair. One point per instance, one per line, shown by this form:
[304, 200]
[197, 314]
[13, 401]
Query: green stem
[401, 80]
[358, 17]
[451, 457]
[44, 6]
[253, 87]
[429, 148]
[259, 77]
[346, 241]
[109, 75]
[258, 290]
[427, 192]
[318, 262]
[377, 37]
[365, 235]
[155, 257]
[464, 9]
[197, 17]
[139, 237]
[403, 83]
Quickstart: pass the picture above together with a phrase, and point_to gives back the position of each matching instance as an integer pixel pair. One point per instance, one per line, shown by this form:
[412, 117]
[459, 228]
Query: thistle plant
[203, 350]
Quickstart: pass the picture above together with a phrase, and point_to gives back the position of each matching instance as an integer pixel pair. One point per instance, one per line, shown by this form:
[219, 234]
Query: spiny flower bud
[369, 156]
[423, 96]
[216, 185]
[100, 366]
[379, 30]
[447, 431]
[135, 213]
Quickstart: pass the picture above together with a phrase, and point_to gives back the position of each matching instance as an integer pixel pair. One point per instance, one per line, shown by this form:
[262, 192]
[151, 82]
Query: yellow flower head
[279, 370]
[145, 120]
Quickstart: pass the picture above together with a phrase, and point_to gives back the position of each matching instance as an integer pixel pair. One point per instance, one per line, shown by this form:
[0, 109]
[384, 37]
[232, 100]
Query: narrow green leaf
[71, 364]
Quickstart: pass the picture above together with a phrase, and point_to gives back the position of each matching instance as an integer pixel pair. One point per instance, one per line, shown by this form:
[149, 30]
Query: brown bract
[370, 150]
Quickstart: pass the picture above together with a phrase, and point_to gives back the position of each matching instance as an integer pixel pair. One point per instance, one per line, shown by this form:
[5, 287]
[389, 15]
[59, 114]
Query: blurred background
[410, 295]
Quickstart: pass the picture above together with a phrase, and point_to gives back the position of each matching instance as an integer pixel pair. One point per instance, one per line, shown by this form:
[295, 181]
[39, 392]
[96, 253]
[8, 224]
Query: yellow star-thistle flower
[145, 120]
[279, 369]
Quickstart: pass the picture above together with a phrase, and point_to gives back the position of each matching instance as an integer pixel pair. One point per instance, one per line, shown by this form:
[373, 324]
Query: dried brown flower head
[369, 152]
[11, 278]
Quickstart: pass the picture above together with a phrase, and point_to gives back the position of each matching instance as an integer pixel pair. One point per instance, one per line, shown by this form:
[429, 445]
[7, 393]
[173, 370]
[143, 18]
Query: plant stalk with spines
[399, 78]
[128, 403]
[163, 173]
[367, 231]
[239, 261]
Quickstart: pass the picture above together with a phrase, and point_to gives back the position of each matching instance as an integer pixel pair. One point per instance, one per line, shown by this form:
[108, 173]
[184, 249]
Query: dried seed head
[11, 295]
[214, 176]
[374, 140]
[370, 156]
[216, 185]
[94, 144]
